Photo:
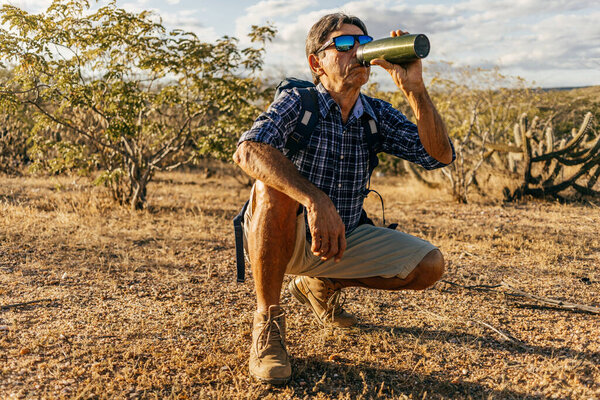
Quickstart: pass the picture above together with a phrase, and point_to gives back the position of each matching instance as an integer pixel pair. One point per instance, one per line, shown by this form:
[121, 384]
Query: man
[325, 183]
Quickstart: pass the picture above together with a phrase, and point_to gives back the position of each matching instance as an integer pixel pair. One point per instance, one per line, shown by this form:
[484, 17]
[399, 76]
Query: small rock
[464, 371]
[24, 351]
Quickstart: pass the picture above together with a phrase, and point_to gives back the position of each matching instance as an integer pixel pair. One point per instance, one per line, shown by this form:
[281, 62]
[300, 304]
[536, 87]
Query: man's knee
[429, 270]
[276, 203]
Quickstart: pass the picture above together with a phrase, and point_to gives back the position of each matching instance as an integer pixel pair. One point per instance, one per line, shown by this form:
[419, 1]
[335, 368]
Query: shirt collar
[360, 107]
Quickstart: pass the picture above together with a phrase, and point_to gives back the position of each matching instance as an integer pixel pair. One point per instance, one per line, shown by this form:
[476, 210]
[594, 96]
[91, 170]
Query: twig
[8, 306]
[592, 204]
[558, 303]
[484, 288]
[455, 318]
[504, 335]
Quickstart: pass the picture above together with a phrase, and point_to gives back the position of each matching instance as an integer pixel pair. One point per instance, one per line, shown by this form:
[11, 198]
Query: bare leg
[425, 274]
[271, 242]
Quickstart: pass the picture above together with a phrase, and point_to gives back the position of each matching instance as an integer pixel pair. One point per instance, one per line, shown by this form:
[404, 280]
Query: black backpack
[307, 121]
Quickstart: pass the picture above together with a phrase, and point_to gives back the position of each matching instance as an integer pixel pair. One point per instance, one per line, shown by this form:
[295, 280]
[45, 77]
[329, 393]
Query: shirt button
[341, 157]
[339, 185]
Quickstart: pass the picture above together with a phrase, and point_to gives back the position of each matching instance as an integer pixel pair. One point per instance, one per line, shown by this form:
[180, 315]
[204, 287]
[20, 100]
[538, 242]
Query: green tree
[128, 97]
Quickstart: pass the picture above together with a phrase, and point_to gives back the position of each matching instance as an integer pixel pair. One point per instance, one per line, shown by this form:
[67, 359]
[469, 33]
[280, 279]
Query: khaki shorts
[370, 251]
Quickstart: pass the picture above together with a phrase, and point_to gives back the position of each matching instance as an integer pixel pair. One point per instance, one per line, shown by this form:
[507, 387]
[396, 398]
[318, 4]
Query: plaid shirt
[336, 158]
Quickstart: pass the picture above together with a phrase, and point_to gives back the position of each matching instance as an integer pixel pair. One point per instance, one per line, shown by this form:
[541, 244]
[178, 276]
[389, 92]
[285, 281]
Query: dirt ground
[100, 302]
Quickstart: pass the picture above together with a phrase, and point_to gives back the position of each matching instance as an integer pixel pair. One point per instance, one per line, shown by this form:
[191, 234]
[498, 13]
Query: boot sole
[271, 381]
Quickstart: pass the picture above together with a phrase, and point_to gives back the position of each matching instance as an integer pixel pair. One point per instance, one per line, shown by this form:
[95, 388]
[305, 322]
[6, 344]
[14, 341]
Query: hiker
[305, 215]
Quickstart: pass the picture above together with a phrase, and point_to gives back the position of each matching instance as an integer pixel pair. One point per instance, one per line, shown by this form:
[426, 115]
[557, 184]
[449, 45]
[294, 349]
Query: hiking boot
[322, 295]
[269, 360]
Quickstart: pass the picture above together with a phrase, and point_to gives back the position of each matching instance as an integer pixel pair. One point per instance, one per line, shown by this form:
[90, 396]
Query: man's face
[341, 70]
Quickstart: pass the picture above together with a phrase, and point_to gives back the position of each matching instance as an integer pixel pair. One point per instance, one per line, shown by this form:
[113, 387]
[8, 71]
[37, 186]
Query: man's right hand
[269, 165]
[327, 229]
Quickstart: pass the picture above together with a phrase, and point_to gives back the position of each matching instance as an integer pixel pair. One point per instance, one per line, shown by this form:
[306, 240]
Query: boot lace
[270, 332]
[335, 305]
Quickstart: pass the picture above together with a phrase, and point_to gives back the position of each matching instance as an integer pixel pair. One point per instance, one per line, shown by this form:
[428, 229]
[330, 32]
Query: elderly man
[322, 187]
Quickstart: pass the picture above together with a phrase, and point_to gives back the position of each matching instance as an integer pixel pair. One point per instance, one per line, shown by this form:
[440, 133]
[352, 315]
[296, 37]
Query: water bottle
[397, 50]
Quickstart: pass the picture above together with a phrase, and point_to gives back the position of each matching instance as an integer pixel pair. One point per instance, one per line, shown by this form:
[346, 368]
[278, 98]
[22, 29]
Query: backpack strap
[239, 243]
[374, 142]
[373, 137]
[307, 121]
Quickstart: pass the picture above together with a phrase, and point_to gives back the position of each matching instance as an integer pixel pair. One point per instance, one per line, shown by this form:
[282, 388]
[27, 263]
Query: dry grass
[145, 305]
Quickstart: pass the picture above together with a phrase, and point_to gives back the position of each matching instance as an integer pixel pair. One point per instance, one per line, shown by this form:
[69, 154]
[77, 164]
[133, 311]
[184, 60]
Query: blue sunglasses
[345, 42]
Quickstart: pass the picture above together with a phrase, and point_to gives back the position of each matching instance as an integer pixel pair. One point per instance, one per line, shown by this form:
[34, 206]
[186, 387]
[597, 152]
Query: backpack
[307, 121]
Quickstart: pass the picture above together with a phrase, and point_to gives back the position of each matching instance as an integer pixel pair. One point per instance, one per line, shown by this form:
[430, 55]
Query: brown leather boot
[269, 360]
[322, 295]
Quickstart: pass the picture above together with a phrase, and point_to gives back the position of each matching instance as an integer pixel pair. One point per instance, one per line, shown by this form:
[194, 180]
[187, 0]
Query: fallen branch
[27, 303]
[557, 303]
[519, 293]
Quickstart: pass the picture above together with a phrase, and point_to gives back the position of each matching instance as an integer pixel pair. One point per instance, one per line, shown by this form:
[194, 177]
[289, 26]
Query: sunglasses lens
[344, 42]
[362, 39]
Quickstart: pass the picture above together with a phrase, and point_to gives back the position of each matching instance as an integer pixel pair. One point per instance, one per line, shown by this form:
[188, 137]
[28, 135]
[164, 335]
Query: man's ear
[315, 64]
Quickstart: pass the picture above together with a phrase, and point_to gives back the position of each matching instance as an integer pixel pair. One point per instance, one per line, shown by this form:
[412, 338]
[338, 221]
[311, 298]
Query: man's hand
[269, 165]
[327, 229]
[432, 131]
[408, 77]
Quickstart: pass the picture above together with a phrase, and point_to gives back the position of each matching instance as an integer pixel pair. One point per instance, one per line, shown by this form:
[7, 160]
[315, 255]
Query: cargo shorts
[370, 251]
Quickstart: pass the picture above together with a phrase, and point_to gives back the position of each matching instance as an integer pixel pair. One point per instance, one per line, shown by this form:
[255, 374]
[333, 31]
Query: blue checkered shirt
[336, 158]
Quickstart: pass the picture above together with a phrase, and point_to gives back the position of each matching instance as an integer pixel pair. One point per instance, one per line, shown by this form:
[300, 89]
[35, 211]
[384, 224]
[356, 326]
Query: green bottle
[397, 50]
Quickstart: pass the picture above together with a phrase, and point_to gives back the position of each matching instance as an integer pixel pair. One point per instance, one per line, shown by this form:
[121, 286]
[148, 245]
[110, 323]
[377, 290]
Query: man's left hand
[408, 77]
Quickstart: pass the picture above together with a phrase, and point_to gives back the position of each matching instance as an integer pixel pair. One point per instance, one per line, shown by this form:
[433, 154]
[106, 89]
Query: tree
[128, 97]
[15, 124]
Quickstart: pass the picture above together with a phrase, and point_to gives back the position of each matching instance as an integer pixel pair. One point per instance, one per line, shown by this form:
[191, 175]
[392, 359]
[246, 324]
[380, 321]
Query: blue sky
[550, 43]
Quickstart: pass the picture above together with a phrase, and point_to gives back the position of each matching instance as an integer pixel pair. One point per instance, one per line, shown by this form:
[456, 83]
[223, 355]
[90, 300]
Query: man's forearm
[432, 130]
[269, 165]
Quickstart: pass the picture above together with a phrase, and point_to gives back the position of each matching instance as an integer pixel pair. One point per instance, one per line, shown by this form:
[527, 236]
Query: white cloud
[525, 37]
[268, 11]
[32, 6]
[522, 36]
[186, 20]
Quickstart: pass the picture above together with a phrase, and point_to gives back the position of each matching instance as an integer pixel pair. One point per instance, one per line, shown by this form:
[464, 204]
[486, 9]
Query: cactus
[544, 163]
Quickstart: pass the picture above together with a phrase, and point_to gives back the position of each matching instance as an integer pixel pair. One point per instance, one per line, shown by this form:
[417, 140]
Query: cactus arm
[594, 178]
[572, 143]
[583, 156]
[526, 151]
[571, 181]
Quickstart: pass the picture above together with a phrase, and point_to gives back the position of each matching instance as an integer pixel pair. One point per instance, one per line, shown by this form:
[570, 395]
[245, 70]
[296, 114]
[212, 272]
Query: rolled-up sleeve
[401, 138]
[274, 125]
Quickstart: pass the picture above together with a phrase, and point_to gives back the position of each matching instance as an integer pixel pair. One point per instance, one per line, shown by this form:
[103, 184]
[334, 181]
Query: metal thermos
[397, 50]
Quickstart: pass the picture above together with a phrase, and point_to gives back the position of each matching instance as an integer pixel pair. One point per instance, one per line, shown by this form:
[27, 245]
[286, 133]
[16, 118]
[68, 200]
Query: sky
[549, 43]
